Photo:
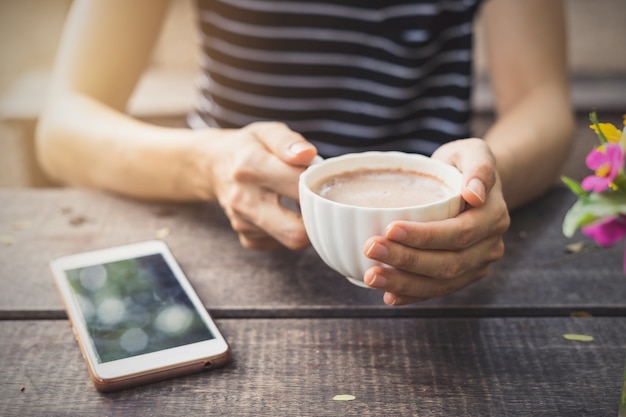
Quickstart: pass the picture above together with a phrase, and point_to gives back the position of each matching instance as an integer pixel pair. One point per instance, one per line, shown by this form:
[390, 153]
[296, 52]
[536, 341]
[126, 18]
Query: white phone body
[135, 315]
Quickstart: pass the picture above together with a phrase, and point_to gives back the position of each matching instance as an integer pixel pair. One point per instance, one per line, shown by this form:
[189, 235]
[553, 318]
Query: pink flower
[606, 161]
[607, 232]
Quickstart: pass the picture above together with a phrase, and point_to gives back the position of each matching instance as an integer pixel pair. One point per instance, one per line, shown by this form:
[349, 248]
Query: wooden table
[301, 334]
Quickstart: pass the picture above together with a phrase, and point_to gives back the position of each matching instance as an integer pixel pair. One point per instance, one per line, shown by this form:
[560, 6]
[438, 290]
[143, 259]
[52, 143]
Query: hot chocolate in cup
[347, 199]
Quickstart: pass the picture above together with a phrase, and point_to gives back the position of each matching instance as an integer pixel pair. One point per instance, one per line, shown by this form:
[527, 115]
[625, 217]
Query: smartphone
[136, 317]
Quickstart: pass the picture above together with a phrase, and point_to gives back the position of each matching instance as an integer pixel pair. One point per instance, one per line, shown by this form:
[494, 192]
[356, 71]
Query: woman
[285, 80]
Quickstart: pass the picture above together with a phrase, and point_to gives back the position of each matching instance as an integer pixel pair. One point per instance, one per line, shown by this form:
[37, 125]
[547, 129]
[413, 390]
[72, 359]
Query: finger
[263, 169]
[476, 162]
[392, 299]
[440, 264]
[451, 234]
[457, 233]
[263, 210]
[244, 227]
[250, 236]
[289, 146]
[265, 166]
[285, 226]
[402, 288]
[474, 192]
[258, 243]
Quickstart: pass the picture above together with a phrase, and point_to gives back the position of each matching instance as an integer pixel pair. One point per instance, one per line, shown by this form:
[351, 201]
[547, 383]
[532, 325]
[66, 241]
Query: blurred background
[30, 31]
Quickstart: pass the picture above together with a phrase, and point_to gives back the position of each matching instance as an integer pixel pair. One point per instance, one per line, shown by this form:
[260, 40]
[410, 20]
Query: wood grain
[287, 367]
[536, 272]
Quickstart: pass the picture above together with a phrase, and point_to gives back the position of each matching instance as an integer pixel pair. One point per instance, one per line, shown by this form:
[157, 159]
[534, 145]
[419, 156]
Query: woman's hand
[433, 259]
[251, 169]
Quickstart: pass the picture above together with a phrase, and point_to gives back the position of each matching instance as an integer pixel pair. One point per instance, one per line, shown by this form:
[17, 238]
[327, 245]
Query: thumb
[479, 177]
[474, 192]
[287, 145]
[477, 165]
[300, 152]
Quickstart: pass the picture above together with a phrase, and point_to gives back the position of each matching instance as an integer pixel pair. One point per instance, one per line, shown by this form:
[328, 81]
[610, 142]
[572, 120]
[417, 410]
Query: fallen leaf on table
[578, 337]
[344, 397]
[575, 247]
[78, 220]
[7, 240]
[162, 232]
[22, 225]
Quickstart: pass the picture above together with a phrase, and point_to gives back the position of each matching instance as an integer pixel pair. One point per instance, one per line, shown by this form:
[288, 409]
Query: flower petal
[595, 184]
[606, 161]
[607, 232]
[615, 157]
[595, 159]
[611, 133]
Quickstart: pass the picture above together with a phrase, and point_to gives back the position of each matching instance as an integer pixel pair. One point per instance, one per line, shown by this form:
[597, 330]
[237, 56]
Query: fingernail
[375, 280]
[396, 233]
[298, 147]
[477, 188]
[376, 251]
[390, 299]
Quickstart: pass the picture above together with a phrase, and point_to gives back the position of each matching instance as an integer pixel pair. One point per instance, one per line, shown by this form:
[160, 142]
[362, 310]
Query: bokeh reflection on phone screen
[135, 306]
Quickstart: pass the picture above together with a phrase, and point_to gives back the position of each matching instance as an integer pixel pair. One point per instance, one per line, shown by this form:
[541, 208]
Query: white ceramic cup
[338, 231]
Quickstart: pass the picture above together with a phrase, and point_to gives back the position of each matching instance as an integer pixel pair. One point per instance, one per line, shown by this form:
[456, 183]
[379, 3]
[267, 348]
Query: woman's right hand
[250, 170]
[85, 138]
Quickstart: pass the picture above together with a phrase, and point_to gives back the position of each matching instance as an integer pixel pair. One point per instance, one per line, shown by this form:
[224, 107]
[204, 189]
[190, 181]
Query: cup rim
[449, 169]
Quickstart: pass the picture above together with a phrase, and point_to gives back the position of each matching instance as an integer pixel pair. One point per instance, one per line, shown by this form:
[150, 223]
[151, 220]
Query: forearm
[531, 142]
[526, 50]
[82, 142]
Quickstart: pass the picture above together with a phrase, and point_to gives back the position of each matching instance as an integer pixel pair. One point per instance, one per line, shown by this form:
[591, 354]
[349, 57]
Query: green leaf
[576, 218]
[594, 120]
[578, 337]
[344, 397]
[591, 209]
[620, 182]
[574, 186]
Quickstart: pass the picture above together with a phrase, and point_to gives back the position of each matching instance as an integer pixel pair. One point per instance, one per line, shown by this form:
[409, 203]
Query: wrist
[195, 173]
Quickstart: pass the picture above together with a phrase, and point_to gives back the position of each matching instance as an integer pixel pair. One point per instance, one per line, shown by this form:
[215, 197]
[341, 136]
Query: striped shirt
[349, 75]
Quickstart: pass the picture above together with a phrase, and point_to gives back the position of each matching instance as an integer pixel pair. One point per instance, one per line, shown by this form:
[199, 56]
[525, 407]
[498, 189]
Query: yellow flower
[611, 133]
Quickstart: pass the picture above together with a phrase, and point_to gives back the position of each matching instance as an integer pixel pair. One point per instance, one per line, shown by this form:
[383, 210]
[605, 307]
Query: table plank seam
[366, 312]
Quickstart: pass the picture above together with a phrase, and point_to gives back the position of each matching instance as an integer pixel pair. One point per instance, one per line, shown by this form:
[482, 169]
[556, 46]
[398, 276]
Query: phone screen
[135, 306]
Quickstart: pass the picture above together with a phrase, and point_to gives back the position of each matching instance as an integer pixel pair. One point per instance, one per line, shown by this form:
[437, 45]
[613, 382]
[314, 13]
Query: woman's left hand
[433, 259]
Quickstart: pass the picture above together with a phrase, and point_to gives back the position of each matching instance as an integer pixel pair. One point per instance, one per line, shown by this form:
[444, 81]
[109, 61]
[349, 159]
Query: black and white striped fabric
[350, 75]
